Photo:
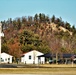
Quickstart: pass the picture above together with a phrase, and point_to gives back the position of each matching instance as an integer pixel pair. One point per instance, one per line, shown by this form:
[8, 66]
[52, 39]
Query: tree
[68, 44]
[73, 29]
[15, 50]
[24, 20]
[18, 23]
[57, 21]
[14, 24]
[36, 18]
[67, 26]
[47, 19]
[53, 19]
[30, 20]
[10, 20]
[71, 44]
[11, 41]
[28, 47]
[5, 48]
[42, 17]
[55, 46]
[30, 41]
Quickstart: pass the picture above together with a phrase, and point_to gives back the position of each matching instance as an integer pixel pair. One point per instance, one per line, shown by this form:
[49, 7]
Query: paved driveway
[7, 66]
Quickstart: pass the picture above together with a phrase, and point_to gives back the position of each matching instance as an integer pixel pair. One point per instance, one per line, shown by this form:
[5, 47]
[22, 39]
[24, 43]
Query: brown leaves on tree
[15, 50]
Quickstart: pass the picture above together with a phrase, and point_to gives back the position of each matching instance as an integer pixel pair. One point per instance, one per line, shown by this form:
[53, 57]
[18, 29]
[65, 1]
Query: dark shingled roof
[49, 55]
[67, 55]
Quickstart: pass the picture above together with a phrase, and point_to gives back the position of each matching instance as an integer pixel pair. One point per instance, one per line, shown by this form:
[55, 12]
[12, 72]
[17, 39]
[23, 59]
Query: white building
[32, 58]
[6, 58]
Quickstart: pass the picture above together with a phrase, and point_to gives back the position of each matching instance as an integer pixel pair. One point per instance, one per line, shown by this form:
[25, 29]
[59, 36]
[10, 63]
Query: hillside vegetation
[40, 33]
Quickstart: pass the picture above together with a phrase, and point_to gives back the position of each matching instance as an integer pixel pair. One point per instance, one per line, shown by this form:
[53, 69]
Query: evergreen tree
[53, 19]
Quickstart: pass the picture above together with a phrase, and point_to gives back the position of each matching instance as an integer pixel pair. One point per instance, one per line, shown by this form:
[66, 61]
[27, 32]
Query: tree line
[24, 34]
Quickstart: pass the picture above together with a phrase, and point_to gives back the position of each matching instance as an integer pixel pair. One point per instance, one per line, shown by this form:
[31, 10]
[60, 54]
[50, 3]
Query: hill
[39, 32]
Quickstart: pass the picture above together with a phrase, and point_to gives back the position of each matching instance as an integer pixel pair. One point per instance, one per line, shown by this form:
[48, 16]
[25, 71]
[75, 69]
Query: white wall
[34, 57]
[5, 58]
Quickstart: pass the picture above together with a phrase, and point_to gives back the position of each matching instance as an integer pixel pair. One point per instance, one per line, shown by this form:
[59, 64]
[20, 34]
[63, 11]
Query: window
[29, 56]
[8, 58]
[5, 59]
[2, 60]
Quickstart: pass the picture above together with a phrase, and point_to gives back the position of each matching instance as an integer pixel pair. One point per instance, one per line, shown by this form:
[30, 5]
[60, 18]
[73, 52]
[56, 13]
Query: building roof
[6, 54]
[49, 55]
[30, 51]
[67, 55]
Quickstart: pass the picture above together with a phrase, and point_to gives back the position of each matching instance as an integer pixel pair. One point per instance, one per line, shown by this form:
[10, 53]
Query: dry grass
[37, 70]
[59, 65]
[52, 69]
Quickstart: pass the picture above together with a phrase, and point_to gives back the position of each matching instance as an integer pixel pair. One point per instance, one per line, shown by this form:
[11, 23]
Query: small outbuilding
[6, 58]
[64, 58]
[32, 57]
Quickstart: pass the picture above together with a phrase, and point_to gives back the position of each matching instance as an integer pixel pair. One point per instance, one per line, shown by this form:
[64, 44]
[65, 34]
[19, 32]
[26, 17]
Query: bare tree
[55, 45]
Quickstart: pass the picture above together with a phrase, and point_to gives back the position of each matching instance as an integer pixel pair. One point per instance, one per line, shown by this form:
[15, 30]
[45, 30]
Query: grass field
[47, 69]
[70, 71]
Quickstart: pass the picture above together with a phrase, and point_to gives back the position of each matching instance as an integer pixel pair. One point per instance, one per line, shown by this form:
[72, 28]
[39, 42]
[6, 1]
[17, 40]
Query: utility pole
[1, 34]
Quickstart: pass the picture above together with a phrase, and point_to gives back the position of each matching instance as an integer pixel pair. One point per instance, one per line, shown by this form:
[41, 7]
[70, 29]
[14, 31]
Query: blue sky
[18, 8]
